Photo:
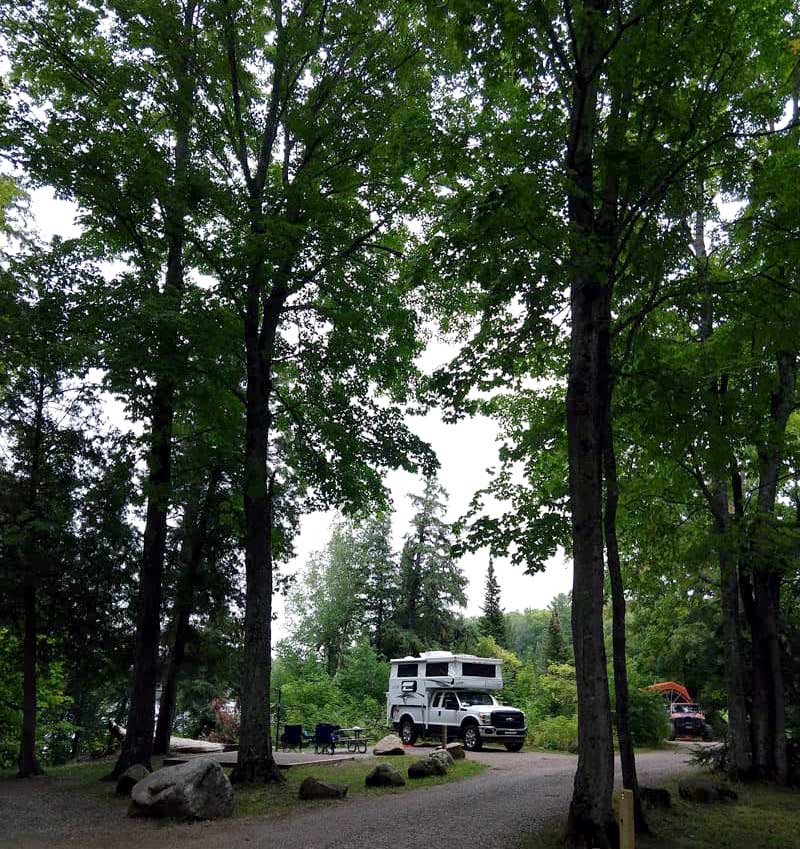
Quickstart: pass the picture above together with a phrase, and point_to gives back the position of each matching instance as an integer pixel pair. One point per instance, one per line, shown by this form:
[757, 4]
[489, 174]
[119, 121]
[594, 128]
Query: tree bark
[192, 552]
[591, 821]
[28, 763]
[767, 660]
[138, 744]
[627, 757]
[740, 755]
[255, 760]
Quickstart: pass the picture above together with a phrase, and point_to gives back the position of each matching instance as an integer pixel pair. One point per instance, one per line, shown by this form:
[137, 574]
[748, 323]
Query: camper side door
[449, 712]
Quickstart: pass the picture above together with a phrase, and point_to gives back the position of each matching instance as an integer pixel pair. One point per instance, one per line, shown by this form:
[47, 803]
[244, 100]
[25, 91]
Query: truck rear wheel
[514, 747]
[408, 732]
[472, 738]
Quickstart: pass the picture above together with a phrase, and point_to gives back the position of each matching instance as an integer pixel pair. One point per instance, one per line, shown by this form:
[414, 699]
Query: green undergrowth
[763, 817]
[258, 800]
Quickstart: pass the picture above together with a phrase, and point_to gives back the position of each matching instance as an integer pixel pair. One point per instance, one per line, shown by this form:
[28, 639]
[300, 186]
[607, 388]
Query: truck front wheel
[514, 747]
[408, 732]
[472, 738]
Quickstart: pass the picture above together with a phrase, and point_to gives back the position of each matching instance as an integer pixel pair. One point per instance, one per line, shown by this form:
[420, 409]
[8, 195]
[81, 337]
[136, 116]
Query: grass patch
[260, 800]
[764, 817]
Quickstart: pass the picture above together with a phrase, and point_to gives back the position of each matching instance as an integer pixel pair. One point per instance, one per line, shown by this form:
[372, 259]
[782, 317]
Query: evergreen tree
[492, 622]
[430, 580]
[382, 585]
[555, 647]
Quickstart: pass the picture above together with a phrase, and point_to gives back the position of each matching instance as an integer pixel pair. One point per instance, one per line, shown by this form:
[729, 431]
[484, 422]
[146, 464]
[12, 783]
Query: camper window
[438, 668]
[407, 670]
[479, 670]
[473, 698]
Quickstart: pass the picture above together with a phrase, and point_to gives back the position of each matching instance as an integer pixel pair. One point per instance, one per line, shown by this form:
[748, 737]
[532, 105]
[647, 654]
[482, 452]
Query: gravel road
[518, 794]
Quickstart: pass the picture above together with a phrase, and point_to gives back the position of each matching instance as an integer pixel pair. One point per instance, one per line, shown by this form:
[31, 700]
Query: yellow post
[627, 838]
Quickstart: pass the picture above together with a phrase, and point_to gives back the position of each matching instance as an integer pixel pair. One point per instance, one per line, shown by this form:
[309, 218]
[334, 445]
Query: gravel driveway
[519, 793]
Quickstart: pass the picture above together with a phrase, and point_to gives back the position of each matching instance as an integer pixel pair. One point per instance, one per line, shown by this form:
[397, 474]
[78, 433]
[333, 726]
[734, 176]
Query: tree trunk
[740, 757]
[591, 821]
[255, 760]
[137, 747]
[766, 579]
[192, 551]
[28, 764]
[626, 753]
[138, 744]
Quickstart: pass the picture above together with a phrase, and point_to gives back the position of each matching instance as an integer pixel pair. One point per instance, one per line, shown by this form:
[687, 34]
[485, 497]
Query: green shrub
[556, 732]
[648, 719]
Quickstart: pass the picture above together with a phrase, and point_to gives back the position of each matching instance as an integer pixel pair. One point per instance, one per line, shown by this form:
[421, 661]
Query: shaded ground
[519, 793]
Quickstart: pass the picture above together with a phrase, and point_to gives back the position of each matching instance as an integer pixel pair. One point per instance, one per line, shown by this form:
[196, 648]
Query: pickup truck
[438, 691]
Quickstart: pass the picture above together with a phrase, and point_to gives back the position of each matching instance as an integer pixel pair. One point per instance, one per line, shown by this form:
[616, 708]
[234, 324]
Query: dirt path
[519, 793]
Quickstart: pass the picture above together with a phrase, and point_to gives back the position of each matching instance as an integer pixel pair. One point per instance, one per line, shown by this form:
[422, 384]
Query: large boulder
[656, 797]
[384, 775]
[443, 756]
[130, 778]
[391, 744]
[197, 790]
[703, 791]
[313, 788]
[456, 750]
[426, 767]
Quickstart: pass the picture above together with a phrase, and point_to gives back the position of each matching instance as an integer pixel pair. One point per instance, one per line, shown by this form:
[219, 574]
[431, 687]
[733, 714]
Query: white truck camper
[439, 690]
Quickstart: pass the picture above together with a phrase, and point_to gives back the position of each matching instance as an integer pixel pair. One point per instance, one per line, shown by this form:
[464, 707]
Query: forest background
[275, 199]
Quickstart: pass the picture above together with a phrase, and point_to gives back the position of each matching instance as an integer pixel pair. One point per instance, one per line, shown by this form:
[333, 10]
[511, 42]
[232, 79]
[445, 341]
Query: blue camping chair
[325, 737]
[293, 737]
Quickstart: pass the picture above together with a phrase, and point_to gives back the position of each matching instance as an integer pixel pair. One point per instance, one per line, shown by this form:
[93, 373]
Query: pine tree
[555, 648]
[430, 580]
[492, 621]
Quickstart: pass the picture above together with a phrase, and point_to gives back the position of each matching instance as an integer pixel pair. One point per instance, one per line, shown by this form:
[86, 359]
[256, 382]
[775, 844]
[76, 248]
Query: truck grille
[508, 719]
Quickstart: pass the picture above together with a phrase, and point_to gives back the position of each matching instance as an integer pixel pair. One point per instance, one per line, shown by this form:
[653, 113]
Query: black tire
[513, 747]
[408, 732]
[472, 737]
[672, 734]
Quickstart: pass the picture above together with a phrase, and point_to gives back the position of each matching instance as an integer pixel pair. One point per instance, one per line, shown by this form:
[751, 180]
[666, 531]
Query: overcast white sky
[466, 450]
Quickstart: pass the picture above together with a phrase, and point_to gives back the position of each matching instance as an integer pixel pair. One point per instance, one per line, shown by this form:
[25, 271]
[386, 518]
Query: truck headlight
[485, 718]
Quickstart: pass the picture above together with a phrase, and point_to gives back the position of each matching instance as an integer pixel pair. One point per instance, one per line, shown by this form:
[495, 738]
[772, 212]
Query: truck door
[435, 713]
[449, 711]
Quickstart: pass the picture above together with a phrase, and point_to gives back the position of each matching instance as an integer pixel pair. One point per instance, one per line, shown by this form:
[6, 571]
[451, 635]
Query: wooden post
[627, 839]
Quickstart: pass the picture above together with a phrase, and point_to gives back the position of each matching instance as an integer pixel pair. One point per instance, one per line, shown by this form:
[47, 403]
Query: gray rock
[703, 791]
[384, 775]
[391, 744]
[656, 797]
[313, 788]
[426, 767]
[130, 778]
[456, 750]
[198, 790]
[444, 757]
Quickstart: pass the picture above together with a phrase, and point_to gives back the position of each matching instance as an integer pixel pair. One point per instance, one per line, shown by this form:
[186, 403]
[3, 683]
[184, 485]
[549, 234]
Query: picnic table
[353, 739]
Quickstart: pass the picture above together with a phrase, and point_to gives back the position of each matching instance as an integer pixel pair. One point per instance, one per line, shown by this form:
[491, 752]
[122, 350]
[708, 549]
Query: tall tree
[119, 82]
[555, 651]
[41, 411]
[430, 580]
[309, 124]
[492, 622]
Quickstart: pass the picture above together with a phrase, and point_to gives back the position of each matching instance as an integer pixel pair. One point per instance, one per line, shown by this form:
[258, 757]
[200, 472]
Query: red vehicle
[686, 720]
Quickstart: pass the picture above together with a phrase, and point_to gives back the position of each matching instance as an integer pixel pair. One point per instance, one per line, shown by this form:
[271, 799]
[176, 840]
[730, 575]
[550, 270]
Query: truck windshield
[475, 698]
